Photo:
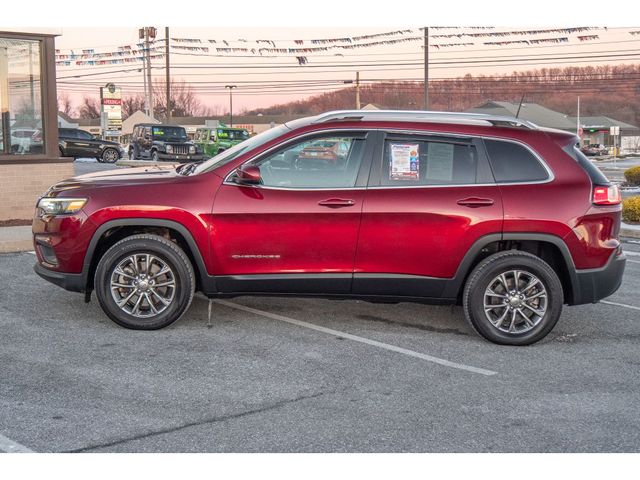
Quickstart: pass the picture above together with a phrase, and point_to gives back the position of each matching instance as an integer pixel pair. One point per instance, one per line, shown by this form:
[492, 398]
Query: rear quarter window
[512, 162]
[596, 176]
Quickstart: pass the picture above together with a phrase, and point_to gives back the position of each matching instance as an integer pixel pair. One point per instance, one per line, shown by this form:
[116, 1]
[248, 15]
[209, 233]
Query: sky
[264, 80]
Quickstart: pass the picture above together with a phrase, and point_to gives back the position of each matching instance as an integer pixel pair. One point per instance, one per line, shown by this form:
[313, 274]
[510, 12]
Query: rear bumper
[595, 284]
[74, 282]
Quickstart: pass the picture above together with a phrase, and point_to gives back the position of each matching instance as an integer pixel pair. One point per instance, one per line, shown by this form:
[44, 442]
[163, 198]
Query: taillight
[606, 195]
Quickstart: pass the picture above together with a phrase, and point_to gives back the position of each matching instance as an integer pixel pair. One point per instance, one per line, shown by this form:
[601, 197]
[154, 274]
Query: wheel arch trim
[145, 222]
[464, 268]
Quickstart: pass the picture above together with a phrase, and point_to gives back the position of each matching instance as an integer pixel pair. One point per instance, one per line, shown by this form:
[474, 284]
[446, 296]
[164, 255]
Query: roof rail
[462, 118]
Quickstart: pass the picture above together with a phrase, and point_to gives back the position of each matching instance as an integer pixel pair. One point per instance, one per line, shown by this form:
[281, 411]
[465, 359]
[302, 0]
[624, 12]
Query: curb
[16, 246]
[144, 163]
[625, 232]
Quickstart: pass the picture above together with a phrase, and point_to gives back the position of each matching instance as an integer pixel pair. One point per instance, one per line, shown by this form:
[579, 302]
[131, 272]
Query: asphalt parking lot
[290, 375]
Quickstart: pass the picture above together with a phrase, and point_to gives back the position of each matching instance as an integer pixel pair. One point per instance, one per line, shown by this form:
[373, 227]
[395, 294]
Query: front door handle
[337, 202]
[475, 202]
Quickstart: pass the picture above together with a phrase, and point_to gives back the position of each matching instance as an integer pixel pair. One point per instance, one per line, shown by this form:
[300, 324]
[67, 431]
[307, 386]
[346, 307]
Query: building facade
[29, 156]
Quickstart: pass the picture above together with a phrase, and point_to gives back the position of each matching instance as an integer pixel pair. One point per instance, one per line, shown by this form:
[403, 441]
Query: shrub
[631, 209]
[632, 175]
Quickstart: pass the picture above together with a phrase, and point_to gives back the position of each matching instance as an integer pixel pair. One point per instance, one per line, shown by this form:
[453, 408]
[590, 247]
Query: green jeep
[215, 140]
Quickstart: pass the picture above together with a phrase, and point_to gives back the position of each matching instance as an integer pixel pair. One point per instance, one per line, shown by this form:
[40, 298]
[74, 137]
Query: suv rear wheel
[144, 282]
[513, 298]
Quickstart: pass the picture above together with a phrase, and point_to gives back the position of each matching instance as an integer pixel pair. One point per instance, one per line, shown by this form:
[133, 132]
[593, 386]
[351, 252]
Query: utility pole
[426, 68]
[168, 76]
[578, 120]
[230, 87]
[147, 33]
[144, 81]
[357, 90]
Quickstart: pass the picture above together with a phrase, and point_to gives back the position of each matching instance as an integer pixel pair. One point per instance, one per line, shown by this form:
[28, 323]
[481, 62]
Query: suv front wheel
[513, 298]
[144, 282]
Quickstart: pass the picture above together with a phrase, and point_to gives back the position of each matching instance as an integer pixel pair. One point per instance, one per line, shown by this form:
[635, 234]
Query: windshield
[225, 133]
[169, 133]
[237, 150]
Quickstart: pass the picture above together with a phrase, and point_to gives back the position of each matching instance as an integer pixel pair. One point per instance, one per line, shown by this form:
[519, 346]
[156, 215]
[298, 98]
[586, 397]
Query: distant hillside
[604, 90]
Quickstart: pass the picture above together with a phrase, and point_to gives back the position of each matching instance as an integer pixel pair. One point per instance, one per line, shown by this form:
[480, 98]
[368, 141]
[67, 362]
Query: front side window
[21, 131]
[327, 162]
[512, 162]
[417, 162]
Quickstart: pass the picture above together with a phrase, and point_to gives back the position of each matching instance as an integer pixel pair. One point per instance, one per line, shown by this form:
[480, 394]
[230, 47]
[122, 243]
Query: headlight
[61, 206]
[192, 149]
[169, 149]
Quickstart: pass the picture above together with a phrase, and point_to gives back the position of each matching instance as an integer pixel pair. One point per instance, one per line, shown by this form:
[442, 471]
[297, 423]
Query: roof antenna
[520, 105]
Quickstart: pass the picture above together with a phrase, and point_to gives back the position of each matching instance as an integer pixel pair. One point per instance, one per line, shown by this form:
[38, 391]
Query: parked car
[508, 219]
[216, 140]
[77, 143]
[162, 142]
[594, 149]
[26, 141]
[328, 150]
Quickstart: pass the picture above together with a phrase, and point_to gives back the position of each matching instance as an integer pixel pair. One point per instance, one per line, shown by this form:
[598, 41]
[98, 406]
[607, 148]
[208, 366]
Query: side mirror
[248, 175]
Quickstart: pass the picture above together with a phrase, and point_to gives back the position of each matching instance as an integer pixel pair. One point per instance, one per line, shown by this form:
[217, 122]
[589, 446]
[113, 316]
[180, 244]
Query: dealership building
[29, 156]
[593, 130]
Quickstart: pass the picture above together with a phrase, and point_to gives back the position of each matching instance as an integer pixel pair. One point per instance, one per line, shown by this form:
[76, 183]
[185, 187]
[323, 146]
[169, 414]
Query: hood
[121, 176]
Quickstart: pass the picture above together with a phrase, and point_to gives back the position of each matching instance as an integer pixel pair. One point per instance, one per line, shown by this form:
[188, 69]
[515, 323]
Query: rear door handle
[337, 202]
[475, 202]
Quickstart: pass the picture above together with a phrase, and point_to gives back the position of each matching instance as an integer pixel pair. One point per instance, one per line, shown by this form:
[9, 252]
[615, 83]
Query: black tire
[181, 272]
[109, 155]
[486, 273]
[99, 159]
[155, 157]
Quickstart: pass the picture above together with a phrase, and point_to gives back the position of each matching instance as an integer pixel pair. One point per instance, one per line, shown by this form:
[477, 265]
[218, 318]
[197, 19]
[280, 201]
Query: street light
[231, 87]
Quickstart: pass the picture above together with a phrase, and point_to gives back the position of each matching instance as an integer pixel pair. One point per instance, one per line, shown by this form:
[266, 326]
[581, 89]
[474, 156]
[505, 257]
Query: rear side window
[512, 162]
[417, 162]
[67, 133]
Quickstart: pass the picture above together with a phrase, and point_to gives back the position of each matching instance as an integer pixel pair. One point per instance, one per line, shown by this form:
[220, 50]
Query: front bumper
[196, 157]
[74, 282]
[598, 283]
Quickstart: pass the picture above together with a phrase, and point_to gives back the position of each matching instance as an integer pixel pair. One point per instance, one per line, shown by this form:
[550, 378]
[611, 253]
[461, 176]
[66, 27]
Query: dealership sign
[111, 108]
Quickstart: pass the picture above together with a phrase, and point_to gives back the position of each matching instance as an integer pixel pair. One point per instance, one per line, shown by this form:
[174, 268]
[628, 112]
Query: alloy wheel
[143, 285]
[515, 301]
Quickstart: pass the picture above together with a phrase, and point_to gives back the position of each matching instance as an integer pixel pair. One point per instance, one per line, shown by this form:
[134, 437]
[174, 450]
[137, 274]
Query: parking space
[286, 374]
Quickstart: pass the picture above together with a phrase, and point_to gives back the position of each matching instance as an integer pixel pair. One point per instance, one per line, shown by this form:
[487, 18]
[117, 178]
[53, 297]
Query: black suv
[162, 142]
[77, 143]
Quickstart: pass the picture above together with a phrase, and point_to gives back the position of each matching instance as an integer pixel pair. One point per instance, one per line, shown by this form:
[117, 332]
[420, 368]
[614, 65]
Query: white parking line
[632, 254]
[355, 338]
[9, 446]
[632, 261]
[632, 307]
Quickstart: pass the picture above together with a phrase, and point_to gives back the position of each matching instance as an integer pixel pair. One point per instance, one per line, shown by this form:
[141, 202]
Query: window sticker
[157, 131]
[405, 162]
[440, 161]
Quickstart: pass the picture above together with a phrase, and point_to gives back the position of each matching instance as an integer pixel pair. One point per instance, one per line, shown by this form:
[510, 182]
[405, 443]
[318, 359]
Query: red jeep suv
[504, 217]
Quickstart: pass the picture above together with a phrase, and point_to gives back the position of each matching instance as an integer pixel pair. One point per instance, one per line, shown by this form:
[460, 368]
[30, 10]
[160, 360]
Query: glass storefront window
[21, 131]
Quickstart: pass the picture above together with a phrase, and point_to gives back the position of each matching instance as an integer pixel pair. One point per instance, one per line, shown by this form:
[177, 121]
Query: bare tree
[89, 108]
[132, 104]
[184, 101]
[65, 105]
